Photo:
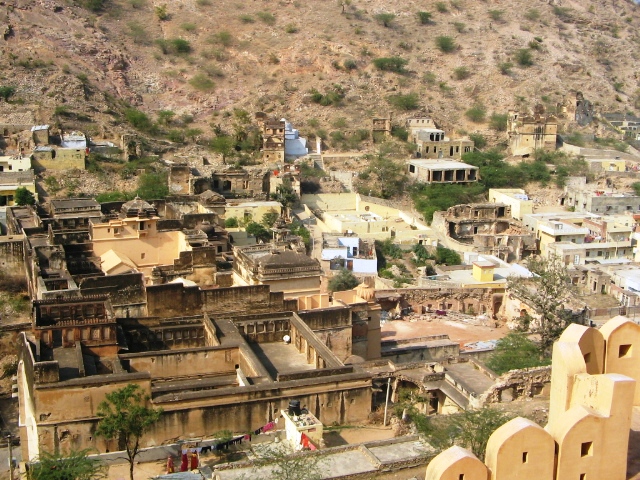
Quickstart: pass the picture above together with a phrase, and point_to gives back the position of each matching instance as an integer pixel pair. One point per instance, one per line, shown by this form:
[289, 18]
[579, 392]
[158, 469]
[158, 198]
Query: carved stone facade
[487, 228]
[530, 132]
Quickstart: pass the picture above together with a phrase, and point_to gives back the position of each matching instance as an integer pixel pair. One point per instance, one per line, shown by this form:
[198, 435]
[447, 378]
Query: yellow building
[133, 242]
[251, 211]
[11, 181]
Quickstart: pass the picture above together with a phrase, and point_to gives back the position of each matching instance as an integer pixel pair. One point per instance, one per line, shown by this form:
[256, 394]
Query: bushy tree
[231, 222]
[470, 429]
[383, 177]
[269, 218]
[153, 186]
[410, 101]
[513, 352]
[258, 231]
[125, 416]
[24, 197]
[343, 280]
[547, 293]
[391, 64]
[447, 256]
[385, 18]
[75, 465]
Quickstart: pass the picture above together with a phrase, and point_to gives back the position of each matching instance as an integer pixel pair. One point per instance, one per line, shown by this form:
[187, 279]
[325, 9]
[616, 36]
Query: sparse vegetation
[424, 18]
[6, 91]
[405, 102]
[477, 113]
[202, 82]
[524, 57]
[441, 7]
[461, 73]
[385, 19]
[446, 44]
[498, 122]
[496, 15]
[391, 64]
[333, 96]
[505, 68]
[267, 18]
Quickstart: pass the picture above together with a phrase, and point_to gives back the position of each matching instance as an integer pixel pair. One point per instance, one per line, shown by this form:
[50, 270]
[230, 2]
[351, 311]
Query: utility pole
[386, 403]
[9, 438]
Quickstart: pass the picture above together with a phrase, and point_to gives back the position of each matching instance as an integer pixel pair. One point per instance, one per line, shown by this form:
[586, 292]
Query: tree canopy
[470, 429]
[258, 231]
[343, 280]
[513, 352]
[126, 417]
[75, 465]
[24, 197]
[547, 293]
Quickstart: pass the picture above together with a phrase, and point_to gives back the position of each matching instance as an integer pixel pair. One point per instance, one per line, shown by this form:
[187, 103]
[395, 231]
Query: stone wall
[12, 255]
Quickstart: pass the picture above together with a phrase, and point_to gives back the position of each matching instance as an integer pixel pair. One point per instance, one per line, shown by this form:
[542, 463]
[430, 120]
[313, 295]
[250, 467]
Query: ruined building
[212, 359]
[530, 132]
[273, 137]
[486, 228]
[234, 182]
[431, 142]
[594, 387]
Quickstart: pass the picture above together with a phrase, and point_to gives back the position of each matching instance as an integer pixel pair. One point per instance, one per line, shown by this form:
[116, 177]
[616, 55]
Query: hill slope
[210, 56]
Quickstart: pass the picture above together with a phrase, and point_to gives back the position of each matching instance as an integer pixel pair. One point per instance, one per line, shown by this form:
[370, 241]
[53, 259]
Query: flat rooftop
[457, 331]
[441, 164]
[278, 357]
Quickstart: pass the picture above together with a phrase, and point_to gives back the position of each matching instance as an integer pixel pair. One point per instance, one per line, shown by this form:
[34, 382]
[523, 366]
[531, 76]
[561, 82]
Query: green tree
[284, 465]
[410, 101]
[476, 113]
[24, 197]
[343, 280]
[225, 145]
[479, 140]
[258, 231]
[470, 429]
[513, 352]
[498, 122]
[385, 18]
[547, 293]
[231, 222]
[153, 186]
[75, 465]
[447, 256]
[7, 91]
[138, 119]
[126, 417]
[383, 177]
[269, 218]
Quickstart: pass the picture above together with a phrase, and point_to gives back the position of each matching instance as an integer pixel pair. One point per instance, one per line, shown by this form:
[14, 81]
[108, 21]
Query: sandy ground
[458, 331]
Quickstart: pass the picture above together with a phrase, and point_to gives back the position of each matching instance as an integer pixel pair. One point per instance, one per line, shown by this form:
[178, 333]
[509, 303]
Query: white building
[350, 252]
[295, 146]
[15, 163]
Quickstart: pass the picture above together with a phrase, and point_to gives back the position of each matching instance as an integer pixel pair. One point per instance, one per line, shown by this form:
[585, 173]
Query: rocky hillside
[81, 63]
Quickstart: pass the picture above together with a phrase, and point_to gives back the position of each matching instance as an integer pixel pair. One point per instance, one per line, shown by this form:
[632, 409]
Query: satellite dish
[286, 339]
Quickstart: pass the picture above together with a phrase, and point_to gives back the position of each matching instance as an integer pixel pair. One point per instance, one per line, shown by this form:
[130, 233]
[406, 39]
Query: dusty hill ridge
[210, 56]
